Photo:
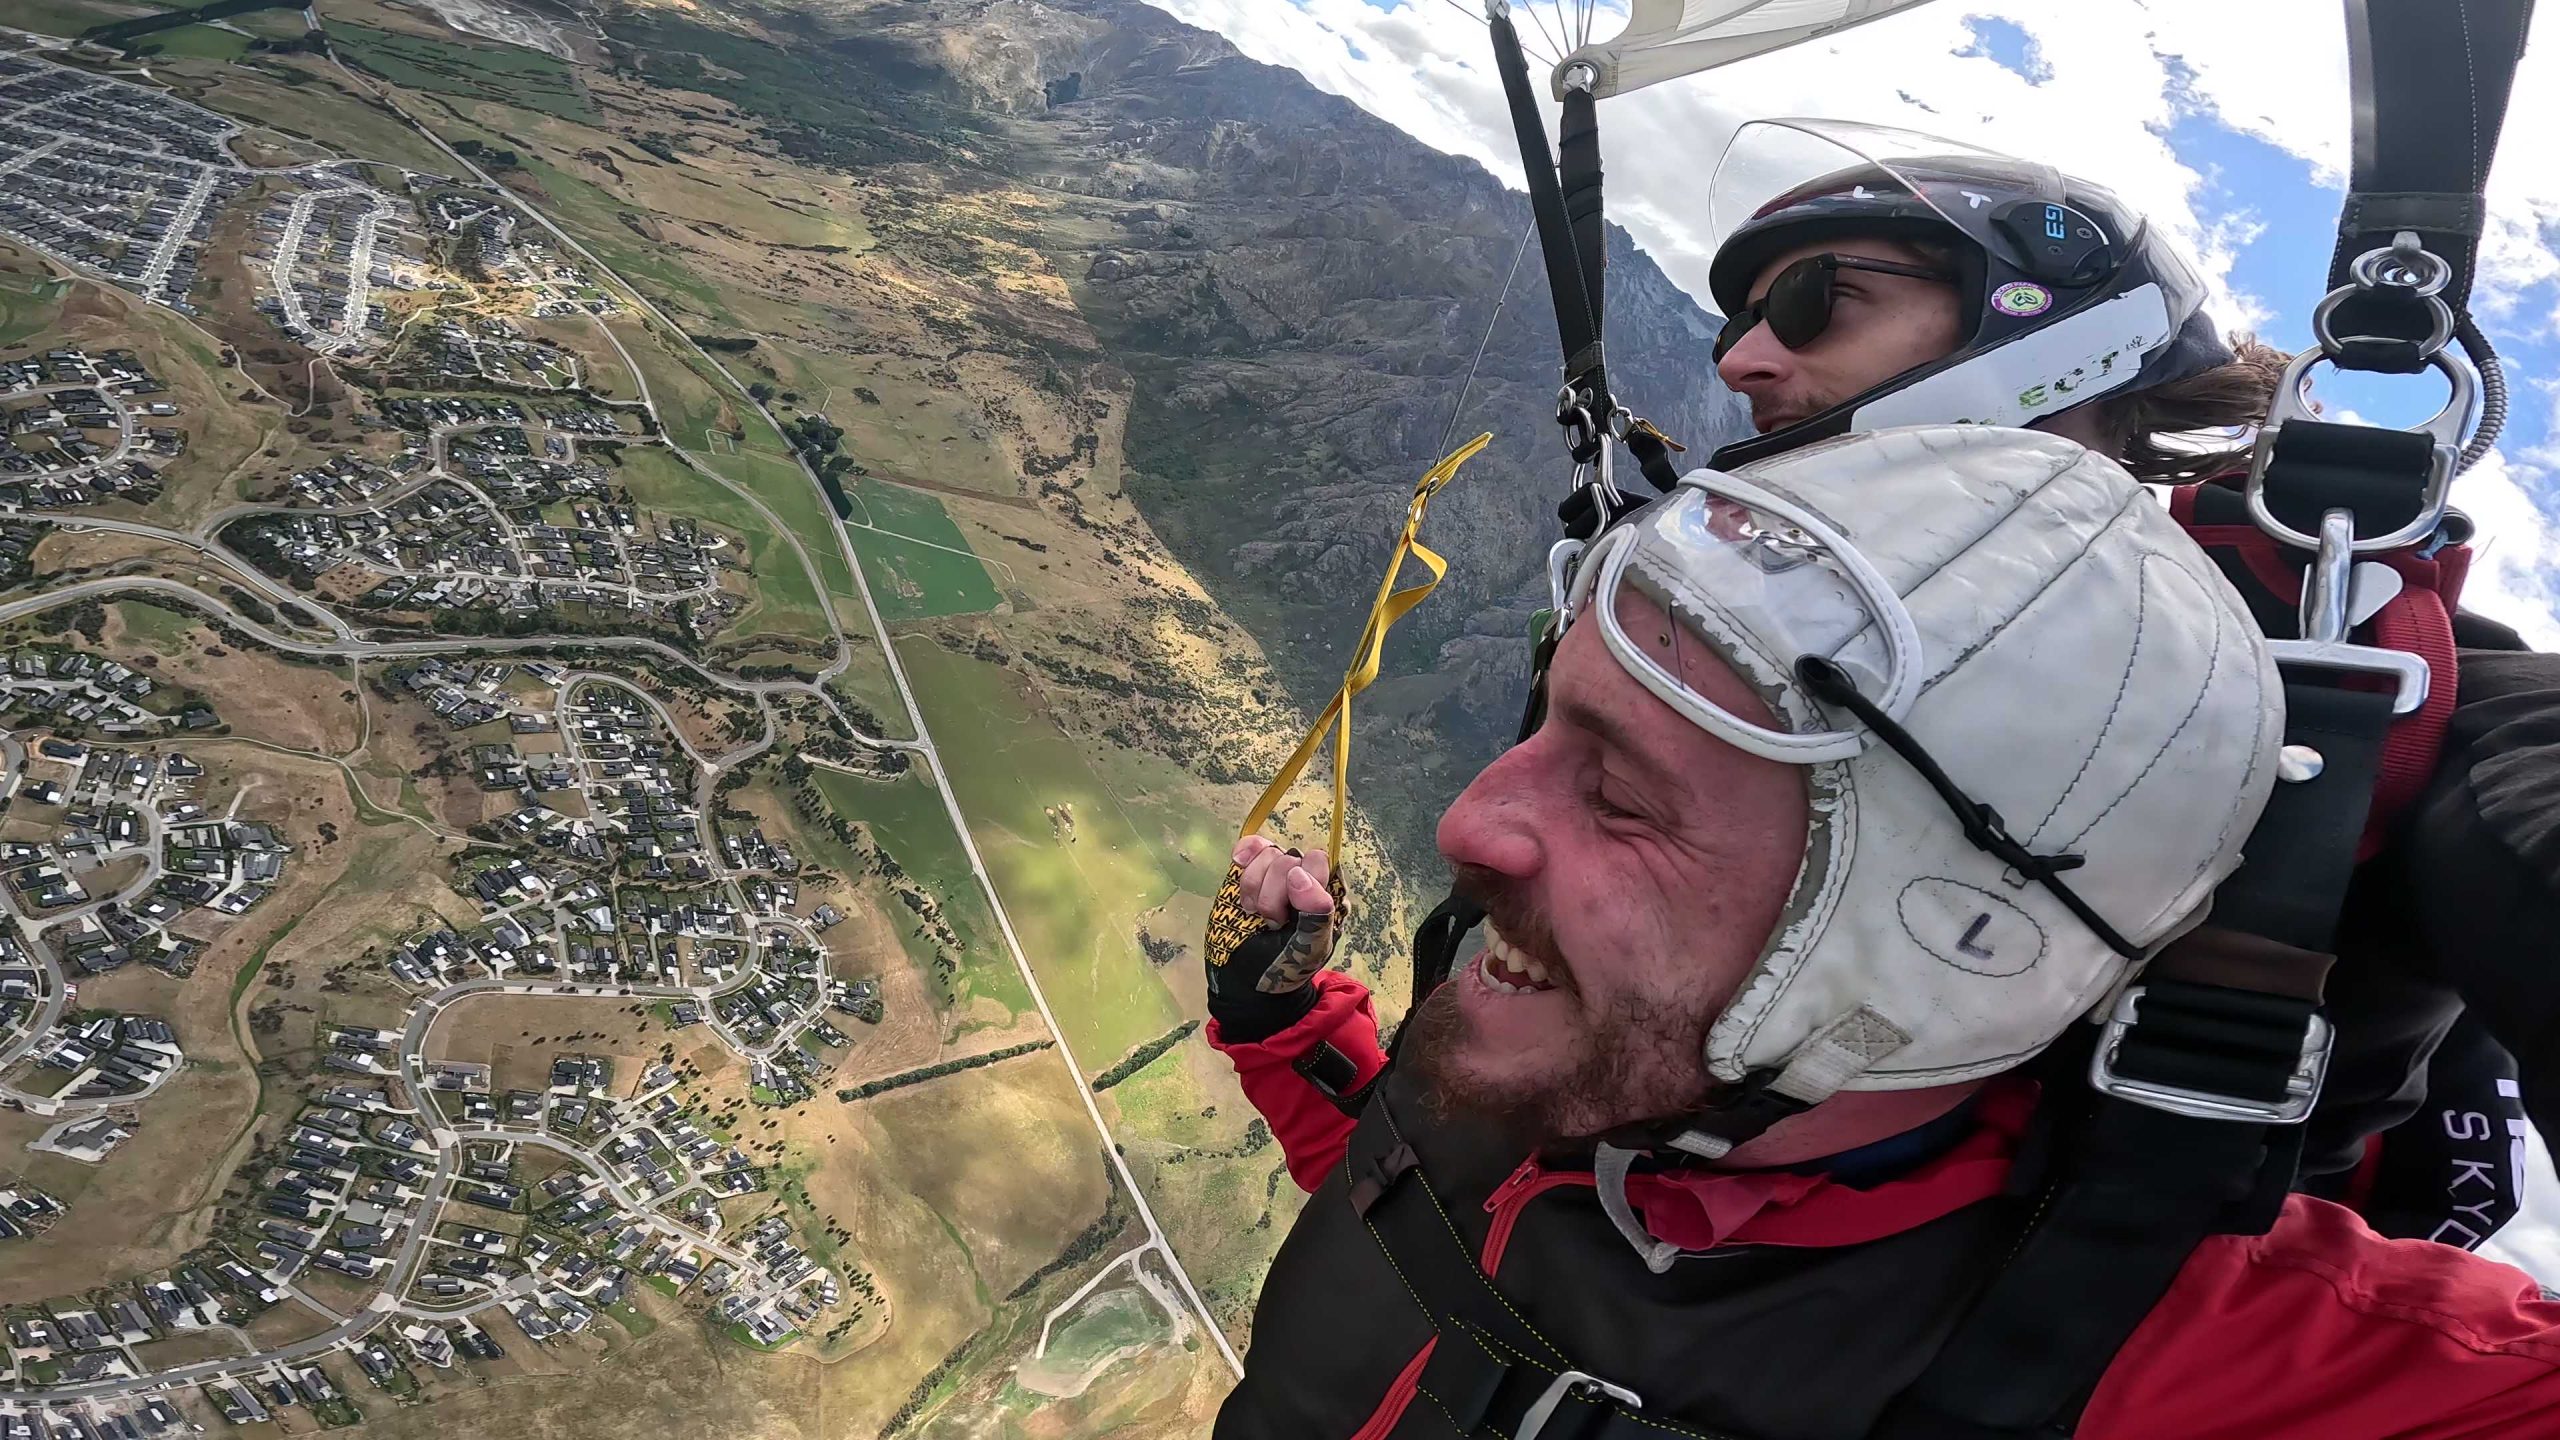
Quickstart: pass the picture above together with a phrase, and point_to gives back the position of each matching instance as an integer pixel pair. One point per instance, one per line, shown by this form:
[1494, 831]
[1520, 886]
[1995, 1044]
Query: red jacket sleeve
[1311, 1131]
[2322, 1330]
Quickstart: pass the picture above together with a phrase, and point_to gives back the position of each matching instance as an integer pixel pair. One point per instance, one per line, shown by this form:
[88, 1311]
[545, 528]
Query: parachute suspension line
[1477, 16]
[1458, 406]
[1540, 21]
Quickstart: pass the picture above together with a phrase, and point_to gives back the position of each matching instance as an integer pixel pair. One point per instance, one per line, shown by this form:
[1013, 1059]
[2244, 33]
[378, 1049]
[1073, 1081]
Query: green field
[197, 42]
[70, 17]
[865, 679]
[281, 24]
[785, 603]
[1076, 906]
[911, 426]
[918, 562]
[316, 107]
[592, 214]
[166, 631]
[513, 76]
[28, 305]
[906, 818]
[695, 406]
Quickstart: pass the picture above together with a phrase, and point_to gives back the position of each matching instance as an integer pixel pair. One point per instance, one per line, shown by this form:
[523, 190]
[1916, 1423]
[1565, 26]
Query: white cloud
[2515, 572]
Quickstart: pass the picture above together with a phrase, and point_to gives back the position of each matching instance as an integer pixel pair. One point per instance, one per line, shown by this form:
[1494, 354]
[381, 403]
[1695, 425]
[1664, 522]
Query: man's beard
[1637, 1064]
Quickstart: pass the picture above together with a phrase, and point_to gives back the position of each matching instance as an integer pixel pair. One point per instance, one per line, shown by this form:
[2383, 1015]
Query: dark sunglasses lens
[1799, 303]
[1737, 325]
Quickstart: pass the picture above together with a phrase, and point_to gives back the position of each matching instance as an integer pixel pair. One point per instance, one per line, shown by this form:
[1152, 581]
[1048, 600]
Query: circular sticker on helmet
[2022, 299]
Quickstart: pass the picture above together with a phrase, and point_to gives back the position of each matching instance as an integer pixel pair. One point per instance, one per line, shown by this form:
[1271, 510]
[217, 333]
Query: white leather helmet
[2014, 613]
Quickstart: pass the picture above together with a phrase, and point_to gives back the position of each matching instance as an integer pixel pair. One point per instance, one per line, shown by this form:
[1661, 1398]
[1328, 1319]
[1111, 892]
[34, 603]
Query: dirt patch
[518, 1036]
[411, 749]
[253, 691]
[64, 551]
[284, 1323]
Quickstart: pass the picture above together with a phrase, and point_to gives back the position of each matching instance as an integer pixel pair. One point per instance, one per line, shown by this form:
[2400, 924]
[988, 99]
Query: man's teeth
[1508, 971]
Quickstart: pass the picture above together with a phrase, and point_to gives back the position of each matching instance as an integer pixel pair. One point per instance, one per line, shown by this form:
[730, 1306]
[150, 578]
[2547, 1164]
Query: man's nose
[1498, 820]
[1756, 362]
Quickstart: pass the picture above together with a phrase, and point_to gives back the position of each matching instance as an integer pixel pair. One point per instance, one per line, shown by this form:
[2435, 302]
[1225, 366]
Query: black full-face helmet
[2069, 294]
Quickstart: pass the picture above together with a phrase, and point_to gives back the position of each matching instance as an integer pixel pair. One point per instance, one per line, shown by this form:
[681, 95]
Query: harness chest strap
[1490, 1371]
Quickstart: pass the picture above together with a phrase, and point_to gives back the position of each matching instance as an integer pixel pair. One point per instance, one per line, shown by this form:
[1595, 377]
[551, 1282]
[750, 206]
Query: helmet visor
[1763, 582]
[1848, 173]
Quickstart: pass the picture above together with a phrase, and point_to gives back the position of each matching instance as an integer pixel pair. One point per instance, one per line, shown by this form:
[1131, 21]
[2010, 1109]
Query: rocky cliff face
[1296, 289]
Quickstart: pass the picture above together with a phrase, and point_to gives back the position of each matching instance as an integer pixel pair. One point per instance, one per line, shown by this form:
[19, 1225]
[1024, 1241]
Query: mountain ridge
[1296, 288]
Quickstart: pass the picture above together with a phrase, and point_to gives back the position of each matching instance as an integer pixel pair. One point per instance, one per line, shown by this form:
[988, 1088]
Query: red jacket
[2318, 1330]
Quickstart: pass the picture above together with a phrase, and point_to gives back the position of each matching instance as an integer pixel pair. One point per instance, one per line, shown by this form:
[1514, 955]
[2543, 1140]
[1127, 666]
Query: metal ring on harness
[2446, 428]
[2439, 319]
[2416, 268]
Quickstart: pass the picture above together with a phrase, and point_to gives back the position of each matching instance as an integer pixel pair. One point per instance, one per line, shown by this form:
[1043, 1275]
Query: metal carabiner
[2291, 402]
[2328, 589]
[2322, 620]
[1561, 558]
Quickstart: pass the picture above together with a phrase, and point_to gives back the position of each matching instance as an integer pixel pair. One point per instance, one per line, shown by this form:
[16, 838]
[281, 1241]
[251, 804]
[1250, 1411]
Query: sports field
[919, 564]
[516, 76]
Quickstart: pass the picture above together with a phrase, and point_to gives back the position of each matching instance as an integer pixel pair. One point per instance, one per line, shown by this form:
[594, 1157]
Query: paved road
[367, 649]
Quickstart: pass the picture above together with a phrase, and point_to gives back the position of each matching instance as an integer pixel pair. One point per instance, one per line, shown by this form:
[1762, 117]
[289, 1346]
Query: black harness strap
[1576, 294]
[2083, 1277]
[2303, 853]
[1490, 1371]
[2431, 81]
[2318, 465]
[1578, 185]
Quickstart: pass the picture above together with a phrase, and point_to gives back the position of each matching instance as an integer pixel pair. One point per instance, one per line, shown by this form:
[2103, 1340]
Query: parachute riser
[1566, 200]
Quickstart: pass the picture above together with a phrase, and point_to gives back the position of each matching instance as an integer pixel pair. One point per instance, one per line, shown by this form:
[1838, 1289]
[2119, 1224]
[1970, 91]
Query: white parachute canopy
[1666, 39]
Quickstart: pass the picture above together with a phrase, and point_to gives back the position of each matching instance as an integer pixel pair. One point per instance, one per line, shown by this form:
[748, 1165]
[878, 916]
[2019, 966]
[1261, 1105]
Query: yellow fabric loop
[1389, 607]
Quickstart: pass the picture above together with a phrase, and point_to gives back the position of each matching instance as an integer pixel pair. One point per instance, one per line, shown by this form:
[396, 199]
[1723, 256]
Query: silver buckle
[2326, 589]
[1581, 1385]
[2302, 1090]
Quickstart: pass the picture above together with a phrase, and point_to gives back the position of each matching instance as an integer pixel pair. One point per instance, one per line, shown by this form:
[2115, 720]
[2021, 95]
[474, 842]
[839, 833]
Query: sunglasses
[1798, 303]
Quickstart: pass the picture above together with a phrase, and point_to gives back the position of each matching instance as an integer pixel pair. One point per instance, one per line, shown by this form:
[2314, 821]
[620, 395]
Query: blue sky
[2225, 120]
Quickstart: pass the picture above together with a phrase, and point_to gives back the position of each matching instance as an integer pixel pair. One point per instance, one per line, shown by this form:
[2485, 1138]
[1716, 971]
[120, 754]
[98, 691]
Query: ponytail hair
[2167, 434]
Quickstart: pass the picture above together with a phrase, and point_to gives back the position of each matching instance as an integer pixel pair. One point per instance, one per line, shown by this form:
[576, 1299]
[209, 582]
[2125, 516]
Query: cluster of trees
[939, 1069]
[931, 1382]
[1160, 950]
[1144, 1056]
[818, 441]
[1091, 1242]
[1257, 1137]
[486, 154]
